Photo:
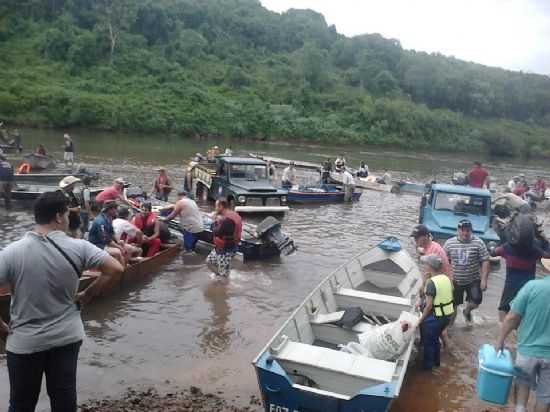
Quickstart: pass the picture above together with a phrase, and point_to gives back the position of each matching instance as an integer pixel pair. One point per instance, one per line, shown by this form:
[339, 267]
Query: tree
[116, 16]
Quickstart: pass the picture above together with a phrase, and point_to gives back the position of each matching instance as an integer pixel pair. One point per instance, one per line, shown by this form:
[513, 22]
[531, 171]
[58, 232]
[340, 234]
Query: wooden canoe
[134, 273]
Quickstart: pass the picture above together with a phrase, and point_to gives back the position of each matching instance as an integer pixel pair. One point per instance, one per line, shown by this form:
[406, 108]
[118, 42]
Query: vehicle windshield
[248, 172]
[460, 203]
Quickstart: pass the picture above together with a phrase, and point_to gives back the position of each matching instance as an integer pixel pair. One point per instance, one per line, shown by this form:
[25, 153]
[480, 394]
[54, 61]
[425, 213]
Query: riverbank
[150, 400]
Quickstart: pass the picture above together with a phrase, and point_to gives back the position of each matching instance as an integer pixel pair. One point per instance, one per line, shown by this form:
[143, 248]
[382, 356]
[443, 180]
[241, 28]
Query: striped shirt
[466, 258]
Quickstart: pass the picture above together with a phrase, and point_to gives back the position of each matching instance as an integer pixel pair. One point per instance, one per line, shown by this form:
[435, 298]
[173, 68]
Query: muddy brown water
[181, 327]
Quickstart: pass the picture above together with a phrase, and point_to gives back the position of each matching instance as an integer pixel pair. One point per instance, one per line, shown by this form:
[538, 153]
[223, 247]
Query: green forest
[233, 68]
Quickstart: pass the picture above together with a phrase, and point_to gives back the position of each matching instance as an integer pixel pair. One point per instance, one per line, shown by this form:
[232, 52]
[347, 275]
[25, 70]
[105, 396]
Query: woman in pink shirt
[426, 246]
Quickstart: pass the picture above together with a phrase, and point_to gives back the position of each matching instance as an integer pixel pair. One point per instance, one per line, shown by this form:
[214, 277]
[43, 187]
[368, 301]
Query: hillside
[231, 67]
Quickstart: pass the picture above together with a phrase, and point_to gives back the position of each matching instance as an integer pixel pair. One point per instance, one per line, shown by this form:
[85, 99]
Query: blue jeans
[430, 331]
[25, 373]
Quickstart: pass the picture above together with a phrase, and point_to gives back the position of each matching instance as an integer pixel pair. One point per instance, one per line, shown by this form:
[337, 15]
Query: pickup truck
[443, 206]
[243, 181]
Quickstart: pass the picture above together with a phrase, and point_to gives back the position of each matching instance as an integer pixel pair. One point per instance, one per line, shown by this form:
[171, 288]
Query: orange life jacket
[222, 242]
[24, 168]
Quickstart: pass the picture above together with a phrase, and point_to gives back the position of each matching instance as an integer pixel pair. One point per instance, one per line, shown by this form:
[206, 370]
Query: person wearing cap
[438, 309]
[68, 149]
[478, 176]
[7, 180]
[114, 192]
[190, 219]
[162, 186]
[349, 185]
[339, 164]
[67, 185]
[148, 223]
[102, 233]
[426, 246]
[212, 153]
[289, 176]
[469, 259]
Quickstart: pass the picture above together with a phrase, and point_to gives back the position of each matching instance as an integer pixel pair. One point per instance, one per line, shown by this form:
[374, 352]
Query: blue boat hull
[279, 395]
[295, 197]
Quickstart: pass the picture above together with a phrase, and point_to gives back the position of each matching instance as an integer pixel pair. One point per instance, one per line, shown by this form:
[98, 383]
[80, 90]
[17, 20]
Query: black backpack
[521, 231]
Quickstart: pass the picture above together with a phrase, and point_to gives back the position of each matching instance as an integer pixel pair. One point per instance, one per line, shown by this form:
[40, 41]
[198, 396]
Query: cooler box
[495, 375]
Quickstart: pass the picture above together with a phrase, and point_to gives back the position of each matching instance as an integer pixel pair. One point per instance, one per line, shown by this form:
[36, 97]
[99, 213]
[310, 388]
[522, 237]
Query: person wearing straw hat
[162, 186]
[7, 180]
[114, 192]
[67, 185]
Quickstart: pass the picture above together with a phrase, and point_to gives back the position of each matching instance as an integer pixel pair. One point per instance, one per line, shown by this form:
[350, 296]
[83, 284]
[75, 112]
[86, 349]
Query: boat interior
[383, 284]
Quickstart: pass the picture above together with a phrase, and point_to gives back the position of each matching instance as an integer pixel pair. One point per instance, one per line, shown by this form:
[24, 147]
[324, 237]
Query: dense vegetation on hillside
[232, 67]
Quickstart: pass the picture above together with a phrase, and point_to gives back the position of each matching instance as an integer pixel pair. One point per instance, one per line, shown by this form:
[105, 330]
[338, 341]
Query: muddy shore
[150, 400]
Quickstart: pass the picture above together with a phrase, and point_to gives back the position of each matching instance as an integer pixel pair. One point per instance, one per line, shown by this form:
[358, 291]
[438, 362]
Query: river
[181, 327]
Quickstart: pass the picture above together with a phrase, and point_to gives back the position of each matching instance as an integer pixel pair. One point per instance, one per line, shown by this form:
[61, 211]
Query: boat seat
[333, 317]
[338, 362]
[372, 303]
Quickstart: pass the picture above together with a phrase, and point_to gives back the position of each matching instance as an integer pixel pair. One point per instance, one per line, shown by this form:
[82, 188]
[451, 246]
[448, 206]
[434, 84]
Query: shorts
[535, 373]
[190, 239]
[473, 293]
[221, 260]
[68, 156]
[509, 292]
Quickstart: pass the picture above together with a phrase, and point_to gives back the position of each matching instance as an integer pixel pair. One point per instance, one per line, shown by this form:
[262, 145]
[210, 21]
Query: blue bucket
[495, 375]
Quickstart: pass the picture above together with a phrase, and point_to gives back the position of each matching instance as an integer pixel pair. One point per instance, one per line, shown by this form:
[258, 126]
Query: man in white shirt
[289, 177]
[127, 232]
[349, 185]
[191, 223]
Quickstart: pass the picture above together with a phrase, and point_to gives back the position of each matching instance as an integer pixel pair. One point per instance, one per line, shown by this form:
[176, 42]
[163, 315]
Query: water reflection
[216, 335]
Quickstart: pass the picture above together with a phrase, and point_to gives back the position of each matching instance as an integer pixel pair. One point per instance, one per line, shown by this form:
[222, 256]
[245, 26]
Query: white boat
[301, 367]
[367, 183]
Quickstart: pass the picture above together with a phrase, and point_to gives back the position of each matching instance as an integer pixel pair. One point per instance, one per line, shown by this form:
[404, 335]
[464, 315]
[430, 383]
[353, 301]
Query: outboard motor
[269, 230]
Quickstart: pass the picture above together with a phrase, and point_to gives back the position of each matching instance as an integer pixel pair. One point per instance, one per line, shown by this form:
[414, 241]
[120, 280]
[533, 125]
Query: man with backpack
[523, 246]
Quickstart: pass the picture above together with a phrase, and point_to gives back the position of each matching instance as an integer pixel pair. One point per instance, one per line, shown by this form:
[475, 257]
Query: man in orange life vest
[227, 232]
[162, 185]
[148, 223]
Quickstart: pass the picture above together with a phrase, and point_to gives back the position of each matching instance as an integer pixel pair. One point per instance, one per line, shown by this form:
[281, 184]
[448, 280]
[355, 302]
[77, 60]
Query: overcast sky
[514, 34]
